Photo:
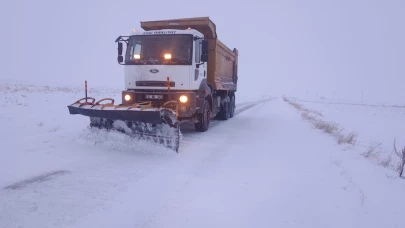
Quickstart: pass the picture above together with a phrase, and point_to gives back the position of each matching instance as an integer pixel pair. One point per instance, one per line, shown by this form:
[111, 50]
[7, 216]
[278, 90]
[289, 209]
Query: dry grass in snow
[350, 138]
[372, 150]
[334, 129]
[386, 162]
[396, 163]
[330, 128]
[401, 155]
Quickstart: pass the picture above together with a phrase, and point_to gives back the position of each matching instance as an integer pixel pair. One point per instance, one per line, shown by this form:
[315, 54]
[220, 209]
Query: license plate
[155, 97]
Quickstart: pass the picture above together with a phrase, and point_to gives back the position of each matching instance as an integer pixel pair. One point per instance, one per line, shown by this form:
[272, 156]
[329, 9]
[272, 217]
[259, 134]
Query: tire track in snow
[37, 179]
[240, 110]
[189, 133]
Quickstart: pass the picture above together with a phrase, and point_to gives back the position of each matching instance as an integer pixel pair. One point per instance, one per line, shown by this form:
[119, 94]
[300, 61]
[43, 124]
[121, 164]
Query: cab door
[199, 69]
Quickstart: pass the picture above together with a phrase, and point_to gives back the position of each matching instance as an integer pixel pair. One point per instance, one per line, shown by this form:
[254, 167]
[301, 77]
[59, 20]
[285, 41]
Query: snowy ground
[266, 167]
[376, 126]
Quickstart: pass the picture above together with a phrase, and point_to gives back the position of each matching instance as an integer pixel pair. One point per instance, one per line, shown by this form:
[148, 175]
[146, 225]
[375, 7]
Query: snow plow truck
[175, 71]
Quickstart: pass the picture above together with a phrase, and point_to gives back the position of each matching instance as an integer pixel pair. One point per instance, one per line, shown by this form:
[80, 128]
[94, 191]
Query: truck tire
[232, 107]
[203, 118]
[224, 114]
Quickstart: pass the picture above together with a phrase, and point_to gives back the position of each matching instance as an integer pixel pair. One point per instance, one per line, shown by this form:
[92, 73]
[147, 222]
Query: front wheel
[203, 119]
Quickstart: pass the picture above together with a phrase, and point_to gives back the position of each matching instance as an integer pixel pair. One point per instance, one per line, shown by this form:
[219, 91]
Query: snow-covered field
[266, 167]
[376, 127]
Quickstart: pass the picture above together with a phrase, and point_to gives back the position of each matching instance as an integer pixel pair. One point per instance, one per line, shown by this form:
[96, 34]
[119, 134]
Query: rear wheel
[225, 110]
[232, 107]
[204, 119]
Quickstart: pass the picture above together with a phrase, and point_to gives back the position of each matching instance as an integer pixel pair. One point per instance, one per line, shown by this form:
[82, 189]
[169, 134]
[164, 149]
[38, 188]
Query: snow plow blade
[141, 120]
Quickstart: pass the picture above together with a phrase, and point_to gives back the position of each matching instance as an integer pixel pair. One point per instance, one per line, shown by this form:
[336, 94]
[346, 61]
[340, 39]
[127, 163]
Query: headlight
[127, 97]
[183, 99]
[168, 56]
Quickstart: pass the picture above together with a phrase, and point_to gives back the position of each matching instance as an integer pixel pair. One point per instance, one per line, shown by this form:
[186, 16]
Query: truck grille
[154, 83]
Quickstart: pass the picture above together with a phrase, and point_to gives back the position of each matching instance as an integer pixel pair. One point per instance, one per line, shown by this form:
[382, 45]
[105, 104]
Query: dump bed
[222, 61]
[222, 66]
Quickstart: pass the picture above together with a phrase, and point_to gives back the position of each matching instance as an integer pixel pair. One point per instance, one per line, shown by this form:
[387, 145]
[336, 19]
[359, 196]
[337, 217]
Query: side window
[198, 51]
[137, 49]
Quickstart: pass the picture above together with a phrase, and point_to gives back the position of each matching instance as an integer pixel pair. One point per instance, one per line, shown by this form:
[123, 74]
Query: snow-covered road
[265, 167]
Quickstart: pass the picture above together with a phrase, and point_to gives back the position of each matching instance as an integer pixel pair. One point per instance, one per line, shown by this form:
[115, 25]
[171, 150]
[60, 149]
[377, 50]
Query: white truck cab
[153, 57]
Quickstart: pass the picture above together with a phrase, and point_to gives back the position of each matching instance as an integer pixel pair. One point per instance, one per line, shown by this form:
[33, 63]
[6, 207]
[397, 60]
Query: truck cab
[183, 61]
[153, 56]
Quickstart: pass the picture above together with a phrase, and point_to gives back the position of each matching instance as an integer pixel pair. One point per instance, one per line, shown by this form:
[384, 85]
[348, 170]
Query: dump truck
[175, 71]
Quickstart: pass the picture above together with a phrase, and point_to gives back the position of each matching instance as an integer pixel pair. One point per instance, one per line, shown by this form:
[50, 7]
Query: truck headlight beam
[183, 98]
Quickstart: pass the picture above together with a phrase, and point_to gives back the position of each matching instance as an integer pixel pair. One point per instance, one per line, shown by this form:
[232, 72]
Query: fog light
[183, 99]
[127, 97]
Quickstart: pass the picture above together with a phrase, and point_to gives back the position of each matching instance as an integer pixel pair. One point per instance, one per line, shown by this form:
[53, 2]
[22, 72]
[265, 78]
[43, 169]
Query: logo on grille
[154, 71]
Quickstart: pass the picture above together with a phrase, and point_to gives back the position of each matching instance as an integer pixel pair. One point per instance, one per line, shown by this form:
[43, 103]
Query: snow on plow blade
[140, 120]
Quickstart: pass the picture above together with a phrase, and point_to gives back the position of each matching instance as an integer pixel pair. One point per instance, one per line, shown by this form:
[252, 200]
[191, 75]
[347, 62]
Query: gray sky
[286, 47]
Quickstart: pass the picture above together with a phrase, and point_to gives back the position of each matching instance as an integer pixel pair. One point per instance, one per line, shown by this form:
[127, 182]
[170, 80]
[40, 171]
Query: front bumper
[185, 110]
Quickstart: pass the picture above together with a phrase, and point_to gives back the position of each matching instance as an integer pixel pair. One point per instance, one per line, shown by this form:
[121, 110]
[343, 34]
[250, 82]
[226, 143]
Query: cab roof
[201, 24]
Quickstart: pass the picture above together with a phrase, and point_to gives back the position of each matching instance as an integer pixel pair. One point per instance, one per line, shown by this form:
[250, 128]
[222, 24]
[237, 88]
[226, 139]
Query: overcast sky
[329, 48]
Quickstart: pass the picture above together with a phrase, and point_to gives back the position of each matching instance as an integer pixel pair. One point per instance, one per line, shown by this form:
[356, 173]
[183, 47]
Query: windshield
[159, 49]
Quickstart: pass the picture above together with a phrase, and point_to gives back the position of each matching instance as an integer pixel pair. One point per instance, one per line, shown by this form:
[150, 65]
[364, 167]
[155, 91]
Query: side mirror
[204, 50]
[119, 49]
[120, 58]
